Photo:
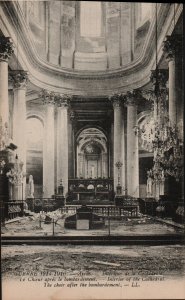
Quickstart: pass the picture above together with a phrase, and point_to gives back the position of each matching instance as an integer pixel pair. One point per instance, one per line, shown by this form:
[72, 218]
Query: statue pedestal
[60, 200]
[119, 200]
[119, 190]
[31, 203]
[17, 193]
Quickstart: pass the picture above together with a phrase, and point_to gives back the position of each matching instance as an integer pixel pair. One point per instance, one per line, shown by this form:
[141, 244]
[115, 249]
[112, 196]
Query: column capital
[159, 77]
[132, 97]
[172, 46]
[6, 48]
[62, 100]
[20, 79]
[48, 97]
[117, 100]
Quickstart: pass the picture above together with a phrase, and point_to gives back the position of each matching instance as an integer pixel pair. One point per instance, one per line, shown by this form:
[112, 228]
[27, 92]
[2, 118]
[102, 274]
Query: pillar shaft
[48, 153]
[117, 138]
[62, 141]
[4, 105]
[19, 118]
[172, 93]
[132, 150]
[71, 159]
[172, 47]
[6, 49]
[19, 114]
[123, 179]
[62, 147]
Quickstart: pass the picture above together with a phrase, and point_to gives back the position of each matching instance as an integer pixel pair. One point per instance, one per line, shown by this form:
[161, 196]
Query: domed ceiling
[91, 48]
[88, 35]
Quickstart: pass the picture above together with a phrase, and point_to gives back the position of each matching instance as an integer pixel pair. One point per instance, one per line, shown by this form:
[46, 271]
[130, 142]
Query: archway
[92, 159]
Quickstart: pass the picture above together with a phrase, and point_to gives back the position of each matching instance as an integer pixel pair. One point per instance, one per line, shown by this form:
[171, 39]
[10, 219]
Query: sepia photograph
[92, 150]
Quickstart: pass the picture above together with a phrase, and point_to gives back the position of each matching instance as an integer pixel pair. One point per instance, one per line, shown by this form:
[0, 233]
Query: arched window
[90, 18]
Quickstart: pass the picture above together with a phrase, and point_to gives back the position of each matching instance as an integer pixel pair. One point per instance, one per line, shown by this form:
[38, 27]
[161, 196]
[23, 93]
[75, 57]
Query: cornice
[52, 77]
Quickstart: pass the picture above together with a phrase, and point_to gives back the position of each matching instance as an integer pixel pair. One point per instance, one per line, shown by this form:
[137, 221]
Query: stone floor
[30, 225]
[93, 272]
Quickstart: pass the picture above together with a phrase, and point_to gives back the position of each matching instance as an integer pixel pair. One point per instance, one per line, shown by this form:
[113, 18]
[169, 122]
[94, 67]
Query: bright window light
[90, 19]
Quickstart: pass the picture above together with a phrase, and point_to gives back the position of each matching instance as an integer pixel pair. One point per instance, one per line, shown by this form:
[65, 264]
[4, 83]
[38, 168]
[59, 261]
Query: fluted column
[62, 102]
[19, 118]
[132, 146]
[6, 49]
[48, 153]
[117, 105]
[171, 47]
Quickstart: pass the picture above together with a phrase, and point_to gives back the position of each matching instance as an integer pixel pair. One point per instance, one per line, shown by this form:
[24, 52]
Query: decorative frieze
[6, 48]
[60, 100]
[20, 78]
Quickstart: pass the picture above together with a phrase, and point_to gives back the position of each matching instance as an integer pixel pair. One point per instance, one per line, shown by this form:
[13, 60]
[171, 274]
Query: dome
[88, 35]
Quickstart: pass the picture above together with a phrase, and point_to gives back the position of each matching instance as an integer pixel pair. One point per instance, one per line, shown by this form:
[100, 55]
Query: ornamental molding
[132, 97]
[6, 48]
[117, 100]
[72, 116]
[44, 75]
[19, 78]
[52, 98]
[62, 100]
[48, 97]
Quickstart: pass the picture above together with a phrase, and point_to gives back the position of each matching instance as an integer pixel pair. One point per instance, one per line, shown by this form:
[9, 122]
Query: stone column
[80, 165]
[6, 49]
[172, 47]
[117, 100]
[104, 165]
[71, 124]
[62, 102]
[19, 118]
[132, 146]
[123, 177]
[48, 153]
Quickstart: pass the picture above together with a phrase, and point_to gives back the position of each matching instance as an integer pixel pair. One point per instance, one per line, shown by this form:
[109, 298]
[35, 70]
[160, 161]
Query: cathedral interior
[91, 107]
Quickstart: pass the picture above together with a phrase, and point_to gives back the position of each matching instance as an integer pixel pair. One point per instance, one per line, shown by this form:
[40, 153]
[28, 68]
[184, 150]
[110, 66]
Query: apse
[92, 156]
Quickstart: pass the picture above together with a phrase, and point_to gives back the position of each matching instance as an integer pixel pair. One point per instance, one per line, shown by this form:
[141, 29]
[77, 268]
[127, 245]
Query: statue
[149, 184]
[31, 187]
[162, 183]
